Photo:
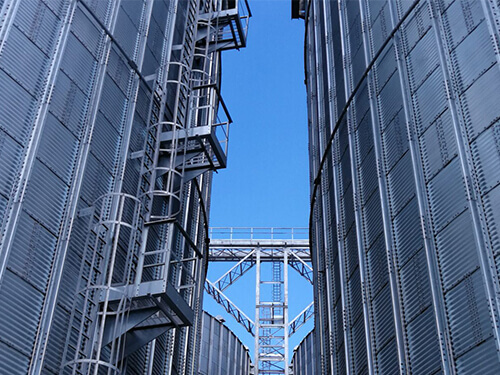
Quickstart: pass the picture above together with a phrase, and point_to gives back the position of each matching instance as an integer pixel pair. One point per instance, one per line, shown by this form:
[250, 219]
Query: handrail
[277, 233]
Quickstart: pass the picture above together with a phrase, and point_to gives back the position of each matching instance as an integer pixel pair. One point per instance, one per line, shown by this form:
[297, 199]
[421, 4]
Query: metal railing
[259, 233]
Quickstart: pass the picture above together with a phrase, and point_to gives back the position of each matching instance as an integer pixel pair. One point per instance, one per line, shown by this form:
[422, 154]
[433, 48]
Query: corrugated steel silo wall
[73, 110]
[222, 353]
[407, 207]
[304, 358]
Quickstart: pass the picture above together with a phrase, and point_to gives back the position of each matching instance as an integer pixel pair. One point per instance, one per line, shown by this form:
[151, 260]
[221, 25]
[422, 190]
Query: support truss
[265, 249]
[230, 307]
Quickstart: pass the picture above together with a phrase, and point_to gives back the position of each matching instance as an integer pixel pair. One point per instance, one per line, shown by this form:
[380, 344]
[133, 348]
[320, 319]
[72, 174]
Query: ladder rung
[152, 265]
[154, 252]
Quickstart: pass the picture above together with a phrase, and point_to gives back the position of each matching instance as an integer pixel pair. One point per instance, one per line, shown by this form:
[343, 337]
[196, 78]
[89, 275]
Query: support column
[257, 308]
[285, 307]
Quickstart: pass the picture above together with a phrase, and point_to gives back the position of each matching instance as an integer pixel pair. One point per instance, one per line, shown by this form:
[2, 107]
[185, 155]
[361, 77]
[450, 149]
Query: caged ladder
[141, 267]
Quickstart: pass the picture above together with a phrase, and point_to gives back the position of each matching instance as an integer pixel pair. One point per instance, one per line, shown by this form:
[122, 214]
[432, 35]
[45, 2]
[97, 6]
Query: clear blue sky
[266, 183]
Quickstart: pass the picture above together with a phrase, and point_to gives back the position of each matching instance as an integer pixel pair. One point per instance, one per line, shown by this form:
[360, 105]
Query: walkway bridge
[271, 251]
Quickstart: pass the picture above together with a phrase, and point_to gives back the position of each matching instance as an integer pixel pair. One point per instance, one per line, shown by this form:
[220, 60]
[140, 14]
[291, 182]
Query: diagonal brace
[301, 267]
[301, 319]
[244, 265]
[230, 307]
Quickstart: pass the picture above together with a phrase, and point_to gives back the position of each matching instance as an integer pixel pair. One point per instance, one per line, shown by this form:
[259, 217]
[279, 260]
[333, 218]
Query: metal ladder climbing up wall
[141, 271]
[271, 252]
[114, 224]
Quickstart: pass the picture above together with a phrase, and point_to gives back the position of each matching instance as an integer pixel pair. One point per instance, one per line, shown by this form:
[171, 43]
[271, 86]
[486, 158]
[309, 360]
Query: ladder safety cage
[141, 269]
[108, 262]
[232, 18]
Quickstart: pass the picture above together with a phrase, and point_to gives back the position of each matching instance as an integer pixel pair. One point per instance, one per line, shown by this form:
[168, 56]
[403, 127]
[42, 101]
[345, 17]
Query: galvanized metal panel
[335, 282]
[383, 326]
[160, 12]
[480, 102]
[97, 181]
[456, 250]
[408, 232]
[161, 347]
[37, 21]
[486, 151]
[355, 300]
[394, 140]
[376, 261]
[74, 257]
[364, 137]
[340, 364]
[492, 208]
[100, 9]
[79, 64]
[46, 197]
[423, 344]
[368, 177]
[387, 359]
[57, 340]
[304, 357]
[358, 59]
[423, 58]
[391, 100]
[113, 101]
[132, 175]
[417, 24]
[127, 25]
[372, 219]
[119, 70]
[57, 6]
[479, 360]
[343, 145]
[386, 66]
[468, 314]
[351, 253]
[31, 255]
[375, 7]
[142, 109]
[105, 142]
[24, 61]
[10, 154]
[19, 302]
[401, 184]
[415, 287]
[16, 115]
[461, 17]
[3, 206]
[348, 204]
[57, 137]
[438, 144]
[87, 32]
[379, 26]
[137, 363]
[473, 56]
[152, 54]
[359, 346]
[69, 104]
[13, 360]
[221, 353]
[447, 195]
[433, 156]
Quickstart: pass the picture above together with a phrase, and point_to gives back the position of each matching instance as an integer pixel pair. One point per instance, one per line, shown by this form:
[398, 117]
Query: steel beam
[250, 248]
